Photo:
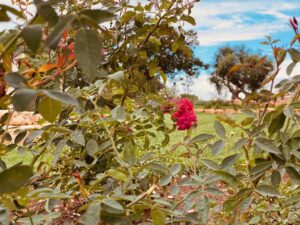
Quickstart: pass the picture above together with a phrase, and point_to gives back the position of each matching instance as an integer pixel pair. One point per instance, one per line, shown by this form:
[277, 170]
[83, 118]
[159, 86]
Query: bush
[102, 117]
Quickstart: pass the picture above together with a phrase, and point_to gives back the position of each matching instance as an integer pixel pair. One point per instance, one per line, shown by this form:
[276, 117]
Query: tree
[240, 71]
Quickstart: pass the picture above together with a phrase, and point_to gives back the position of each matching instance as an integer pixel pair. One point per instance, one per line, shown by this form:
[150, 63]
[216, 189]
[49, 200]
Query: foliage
[91, 84]
[240, 71]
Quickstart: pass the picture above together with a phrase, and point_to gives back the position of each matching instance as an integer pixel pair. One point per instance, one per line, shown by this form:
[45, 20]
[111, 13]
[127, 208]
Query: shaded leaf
[275, 178]
[165, 180]
[23, 99]
[88, 52]
[210, 164]
[112, 206]
[32, 35]
[62, 97]
[229, 161]
[220, 129]
[78, 137]
[267, 190]
[15, 80]
[218, 146]
[260, 167]
[14, 178]
[267, 145]
[175, 169]
[92, 147]
[98, 15]
[201, 137]
[239, 144]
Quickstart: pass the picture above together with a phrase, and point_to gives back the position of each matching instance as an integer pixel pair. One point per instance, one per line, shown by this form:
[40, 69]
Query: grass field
[205, 125]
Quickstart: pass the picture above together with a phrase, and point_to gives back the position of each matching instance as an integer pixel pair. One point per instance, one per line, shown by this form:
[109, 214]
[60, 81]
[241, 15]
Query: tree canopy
[239, 71]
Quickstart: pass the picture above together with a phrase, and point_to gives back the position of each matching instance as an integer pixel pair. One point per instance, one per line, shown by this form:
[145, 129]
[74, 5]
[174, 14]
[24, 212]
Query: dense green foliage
[239, 71]
[88, 69]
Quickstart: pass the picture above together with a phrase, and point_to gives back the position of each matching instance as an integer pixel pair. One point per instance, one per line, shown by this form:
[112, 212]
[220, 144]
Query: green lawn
[205, 125]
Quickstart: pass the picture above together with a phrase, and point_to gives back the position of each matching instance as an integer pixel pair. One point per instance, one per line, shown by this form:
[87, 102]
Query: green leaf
[126, 17]
[49, 109]
[275, 178]
[98, 15]
[58, 149]
[92, 147]
[220, 129]
[92, 214]
[165, 180]
[55, 36]
[47, 13]
[247, 121]
[218, 146]
[118, 113]
[158, 217]
[118, 76]
[78, 137]
[201, 138]
[175, 169]
[155, 41]
[295, 55]
[239, 144]
[203, 209]
[112, 206]
[116, 174]
[15, 80]
[294, 174]
[226, 177]
[189, 19]
[62, 97]
[88, 52]
[229, 161]
[32, 35]
[276, 123]
[267, 145]
[254, 220]
[260, 167]
[129, 153]
[290, 68]
[267, 190]
[14, 178]
[210, 164]
[23, 99]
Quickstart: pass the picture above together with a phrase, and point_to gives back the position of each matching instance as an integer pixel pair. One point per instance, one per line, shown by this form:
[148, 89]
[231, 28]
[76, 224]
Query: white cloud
[233, 20]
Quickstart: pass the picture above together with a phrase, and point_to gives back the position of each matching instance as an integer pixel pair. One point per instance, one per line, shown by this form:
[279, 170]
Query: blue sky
[239, 22]
[246, 22]
[234, 22]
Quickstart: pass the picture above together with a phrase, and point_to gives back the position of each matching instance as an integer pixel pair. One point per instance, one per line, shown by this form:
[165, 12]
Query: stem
[35, 159]
[30, 216]
[269, 100]
[54, 76]
[112, 142]
[145, 194]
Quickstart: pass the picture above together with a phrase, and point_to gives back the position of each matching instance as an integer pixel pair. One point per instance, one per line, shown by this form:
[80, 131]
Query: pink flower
[294, 24]
[185, 116]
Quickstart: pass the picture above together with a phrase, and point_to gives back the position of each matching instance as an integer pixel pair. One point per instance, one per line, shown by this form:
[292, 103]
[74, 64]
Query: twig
[54, 76]
[145, 194]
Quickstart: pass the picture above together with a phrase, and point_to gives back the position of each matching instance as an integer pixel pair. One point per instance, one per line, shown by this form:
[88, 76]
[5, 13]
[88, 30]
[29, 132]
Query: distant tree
[240, 71]
[191, 97]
